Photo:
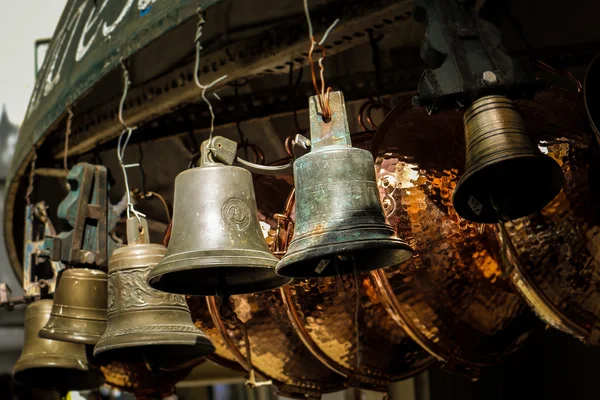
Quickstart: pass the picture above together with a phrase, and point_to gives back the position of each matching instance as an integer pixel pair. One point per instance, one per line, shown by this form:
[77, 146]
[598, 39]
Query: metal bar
[268, 53]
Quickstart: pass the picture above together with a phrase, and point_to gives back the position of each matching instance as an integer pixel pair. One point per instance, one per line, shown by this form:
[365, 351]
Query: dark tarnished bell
[145, 325]
[50, 364]
[506, 175]
[216, 243]
[340, 226]
[79, 310]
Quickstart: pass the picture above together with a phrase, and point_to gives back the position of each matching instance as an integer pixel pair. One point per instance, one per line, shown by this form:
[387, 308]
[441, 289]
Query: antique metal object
[340, 227]
[276, 351]
[145, 325]
[216, 242]
[556, 252]
[455, 301]
[203, 321]
[39, 272]
[464, 50]
[87, 209]
[79, 310]
[345, 325]
[506, 174]
[51, 364]
[144, 383]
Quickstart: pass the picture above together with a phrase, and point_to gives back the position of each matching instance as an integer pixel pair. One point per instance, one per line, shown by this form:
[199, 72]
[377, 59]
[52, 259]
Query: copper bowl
[451, 297]
[371, 353]
[556, 252]
[277, 352]
[203, 321]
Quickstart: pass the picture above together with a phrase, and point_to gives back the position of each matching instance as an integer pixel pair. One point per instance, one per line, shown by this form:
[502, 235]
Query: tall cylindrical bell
[145, 325]
[340, 226]
[506, 174]
[216, 243]
[51, 364]
[79, 310]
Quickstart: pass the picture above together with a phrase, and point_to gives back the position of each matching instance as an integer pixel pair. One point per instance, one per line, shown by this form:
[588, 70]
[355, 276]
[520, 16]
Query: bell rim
[216, 260]
[274, 281]
[53, 362]
[69, 336]
[328, 250]
[462, 192]
[106, 346]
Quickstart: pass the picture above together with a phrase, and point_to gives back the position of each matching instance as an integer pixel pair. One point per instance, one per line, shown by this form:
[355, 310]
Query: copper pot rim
[281, 387]
[358, 380]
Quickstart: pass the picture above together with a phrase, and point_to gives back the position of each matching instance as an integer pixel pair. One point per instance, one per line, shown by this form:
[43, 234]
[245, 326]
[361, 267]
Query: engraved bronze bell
[51, 364]
[79, 310]
[340, 226]
[145, 325]
[506, 175]
[216, 245]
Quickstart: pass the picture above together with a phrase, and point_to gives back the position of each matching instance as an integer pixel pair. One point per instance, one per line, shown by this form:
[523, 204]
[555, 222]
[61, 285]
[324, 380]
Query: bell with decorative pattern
[145, 325]
[216, 245]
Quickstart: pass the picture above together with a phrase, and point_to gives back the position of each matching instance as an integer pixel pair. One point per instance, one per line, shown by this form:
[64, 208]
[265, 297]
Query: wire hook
[122, 145]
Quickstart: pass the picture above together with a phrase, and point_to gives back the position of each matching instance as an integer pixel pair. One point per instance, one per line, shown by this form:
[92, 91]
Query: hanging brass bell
[79, 310]
[340, 225]
[217, 245]
[506, 175]
[51, 364]
[145, 325]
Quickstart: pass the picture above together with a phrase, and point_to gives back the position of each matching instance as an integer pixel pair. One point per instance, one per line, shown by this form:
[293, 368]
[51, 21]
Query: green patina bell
[340, 225]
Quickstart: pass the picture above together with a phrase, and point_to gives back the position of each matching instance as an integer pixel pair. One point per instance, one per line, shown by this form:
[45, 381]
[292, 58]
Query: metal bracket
[467, 61]
[224, 150]
[39, 272]
[87, 210]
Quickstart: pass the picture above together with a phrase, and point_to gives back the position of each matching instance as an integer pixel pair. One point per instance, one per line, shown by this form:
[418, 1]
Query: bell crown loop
[334, 132]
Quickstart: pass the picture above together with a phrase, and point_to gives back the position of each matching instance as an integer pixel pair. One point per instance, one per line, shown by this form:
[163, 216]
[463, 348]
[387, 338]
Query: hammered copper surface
[203, 321]
[138, 379]
[324, 313]
[455, 302]
[559, 248]
[278, 354]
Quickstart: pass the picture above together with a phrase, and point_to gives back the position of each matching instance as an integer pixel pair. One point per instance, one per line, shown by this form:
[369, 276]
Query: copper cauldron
[556, 252]
[455, 303]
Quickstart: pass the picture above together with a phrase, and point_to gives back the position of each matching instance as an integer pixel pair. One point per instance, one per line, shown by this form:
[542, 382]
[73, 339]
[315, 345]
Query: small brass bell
[506, 175]
[340, 225]
[79, 310]
[145, 325]
[217, 245]
[51, 364]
